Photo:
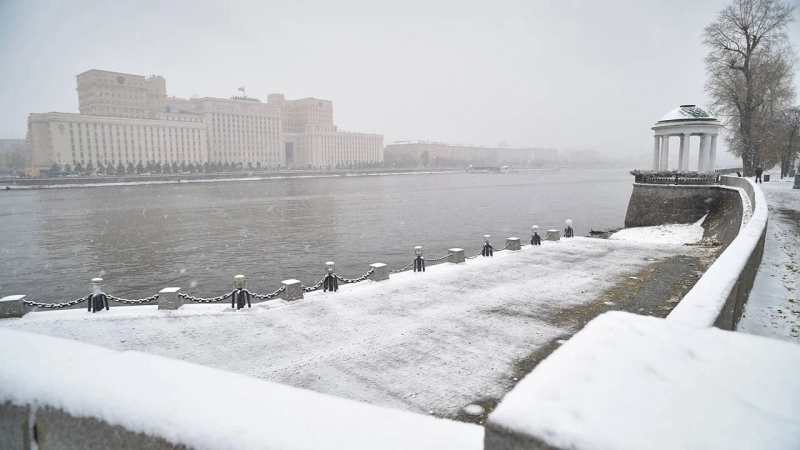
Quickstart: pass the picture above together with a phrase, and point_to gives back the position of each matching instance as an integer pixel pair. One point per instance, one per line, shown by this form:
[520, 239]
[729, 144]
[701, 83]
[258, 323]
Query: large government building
[128, 118]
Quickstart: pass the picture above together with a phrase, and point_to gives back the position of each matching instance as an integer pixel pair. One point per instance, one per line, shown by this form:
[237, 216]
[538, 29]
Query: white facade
[63, 138]
[443, 153]
[245, 132]
[684, 122]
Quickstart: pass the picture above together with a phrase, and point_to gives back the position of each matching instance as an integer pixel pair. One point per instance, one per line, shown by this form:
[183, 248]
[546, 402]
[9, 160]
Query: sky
[558, 74]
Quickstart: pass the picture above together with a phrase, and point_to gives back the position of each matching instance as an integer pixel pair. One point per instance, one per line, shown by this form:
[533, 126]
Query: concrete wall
[718, 297]
[652, 205]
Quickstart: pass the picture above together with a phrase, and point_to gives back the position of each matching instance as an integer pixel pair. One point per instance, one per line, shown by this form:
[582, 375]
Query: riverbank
[429, 342]
[133, 180]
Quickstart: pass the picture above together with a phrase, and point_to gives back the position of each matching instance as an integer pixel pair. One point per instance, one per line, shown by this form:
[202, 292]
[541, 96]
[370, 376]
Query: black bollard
[419, 262]
[330, 283]
[535, 238]
[568, 232]
[487, 247]
[97, 299]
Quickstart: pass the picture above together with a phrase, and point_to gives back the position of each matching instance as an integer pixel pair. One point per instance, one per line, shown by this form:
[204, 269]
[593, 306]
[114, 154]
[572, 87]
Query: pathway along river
[143, 238]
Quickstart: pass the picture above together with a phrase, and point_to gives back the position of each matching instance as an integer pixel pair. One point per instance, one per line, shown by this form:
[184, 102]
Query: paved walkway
[428, 342]
[773, 309]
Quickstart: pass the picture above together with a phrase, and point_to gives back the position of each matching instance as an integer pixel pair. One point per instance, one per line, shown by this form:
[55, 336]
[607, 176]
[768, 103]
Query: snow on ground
[426, 342]
[773, 308]
[676, 234]
[636, 382]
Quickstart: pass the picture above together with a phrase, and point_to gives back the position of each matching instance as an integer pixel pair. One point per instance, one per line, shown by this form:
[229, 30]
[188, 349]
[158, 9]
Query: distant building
[441, 154]
[126, 118]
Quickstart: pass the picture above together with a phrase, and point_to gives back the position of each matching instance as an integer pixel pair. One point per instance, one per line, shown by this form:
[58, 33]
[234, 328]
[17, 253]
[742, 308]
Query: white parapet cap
[169, 290]
[455, 249]
[290, 281]
[12, 298]
[49, 371]
[614, 383]
[377, 265]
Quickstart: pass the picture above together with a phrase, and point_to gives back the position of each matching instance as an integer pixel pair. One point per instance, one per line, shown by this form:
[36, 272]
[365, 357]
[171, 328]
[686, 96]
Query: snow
[675, 234]
[702, 305]
[205, 408]
[773, 309]
[433, 341]
[635, 382]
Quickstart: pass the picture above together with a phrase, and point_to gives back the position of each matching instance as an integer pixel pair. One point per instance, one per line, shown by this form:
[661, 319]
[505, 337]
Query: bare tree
[790, 151]
[749, 65]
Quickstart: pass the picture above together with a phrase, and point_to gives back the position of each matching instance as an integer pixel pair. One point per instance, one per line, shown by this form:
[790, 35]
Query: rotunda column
[664, 165]
[712, 162]
[702, 160]
[686, 141]
[656, 152]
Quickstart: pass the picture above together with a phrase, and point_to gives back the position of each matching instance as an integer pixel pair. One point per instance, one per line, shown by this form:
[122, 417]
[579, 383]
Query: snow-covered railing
[674, 177]
[718, 297]
[67, 394]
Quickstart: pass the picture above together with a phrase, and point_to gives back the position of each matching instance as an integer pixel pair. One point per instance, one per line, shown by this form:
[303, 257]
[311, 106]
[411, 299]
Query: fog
[565, 74]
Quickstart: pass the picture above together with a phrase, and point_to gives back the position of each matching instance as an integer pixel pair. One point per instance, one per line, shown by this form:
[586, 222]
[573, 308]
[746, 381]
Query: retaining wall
[718, 297]
[653, 205]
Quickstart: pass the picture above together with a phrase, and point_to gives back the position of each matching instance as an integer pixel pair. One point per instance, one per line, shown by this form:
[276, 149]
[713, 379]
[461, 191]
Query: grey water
[143, 238]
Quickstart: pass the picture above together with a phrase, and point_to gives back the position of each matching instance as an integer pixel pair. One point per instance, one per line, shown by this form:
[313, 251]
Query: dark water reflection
[197, 236]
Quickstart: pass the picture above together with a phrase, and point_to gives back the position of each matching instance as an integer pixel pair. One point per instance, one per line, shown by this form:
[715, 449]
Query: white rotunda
[686, 121]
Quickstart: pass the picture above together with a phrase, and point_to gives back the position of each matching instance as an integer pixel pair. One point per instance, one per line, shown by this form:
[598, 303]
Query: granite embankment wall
[719, 296]
[655, 204]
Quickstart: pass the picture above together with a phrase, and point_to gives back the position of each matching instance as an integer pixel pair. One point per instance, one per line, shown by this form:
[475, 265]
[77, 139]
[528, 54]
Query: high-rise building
[126, 118]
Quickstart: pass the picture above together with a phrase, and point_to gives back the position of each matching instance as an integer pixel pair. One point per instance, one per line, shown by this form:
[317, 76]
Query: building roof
[687, 113]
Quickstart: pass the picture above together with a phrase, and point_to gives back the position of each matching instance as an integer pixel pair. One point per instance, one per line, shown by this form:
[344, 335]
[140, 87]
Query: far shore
[148, 179]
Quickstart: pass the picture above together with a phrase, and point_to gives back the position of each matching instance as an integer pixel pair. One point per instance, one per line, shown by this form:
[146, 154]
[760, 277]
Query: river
[143, 238]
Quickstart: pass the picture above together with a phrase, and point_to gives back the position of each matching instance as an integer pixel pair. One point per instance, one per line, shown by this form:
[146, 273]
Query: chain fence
[315, 287]
[56, 305]
[355, 280]
[205, 300]
[438, 259]
[267, 296]
[132, 302]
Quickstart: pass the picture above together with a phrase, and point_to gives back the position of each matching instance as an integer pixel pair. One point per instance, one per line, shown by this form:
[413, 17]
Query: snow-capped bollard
[487, 249]
[535, 238]
[380, 272]
[98, 299]
[240, 296]
[553, 235]
[292, 290]
[568, 232]
[168, 298]
[456, 256]
[330, 283]
[419, 263]
[512, 243]
[13, 306]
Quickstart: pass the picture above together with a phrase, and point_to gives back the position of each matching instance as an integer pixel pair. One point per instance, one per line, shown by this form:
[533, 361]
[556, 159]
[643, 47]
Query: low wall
[719, 296]
[653, 205]
[63, 394]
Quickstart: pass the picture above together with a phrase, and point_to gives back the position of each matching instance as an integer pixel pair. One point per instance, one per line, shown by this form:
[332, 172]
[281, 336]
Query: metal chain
[403, 269]
[266, 296]
[132, 302]
[313, 288]
[205, 300]
[56, 305]
[355, 280]
[473, 257]
[501, 249]
[437, 259]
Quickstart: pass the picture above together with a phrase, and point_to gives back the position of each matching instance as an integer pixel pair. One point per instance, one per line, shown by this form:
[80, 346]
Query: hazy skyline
[545, 74]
